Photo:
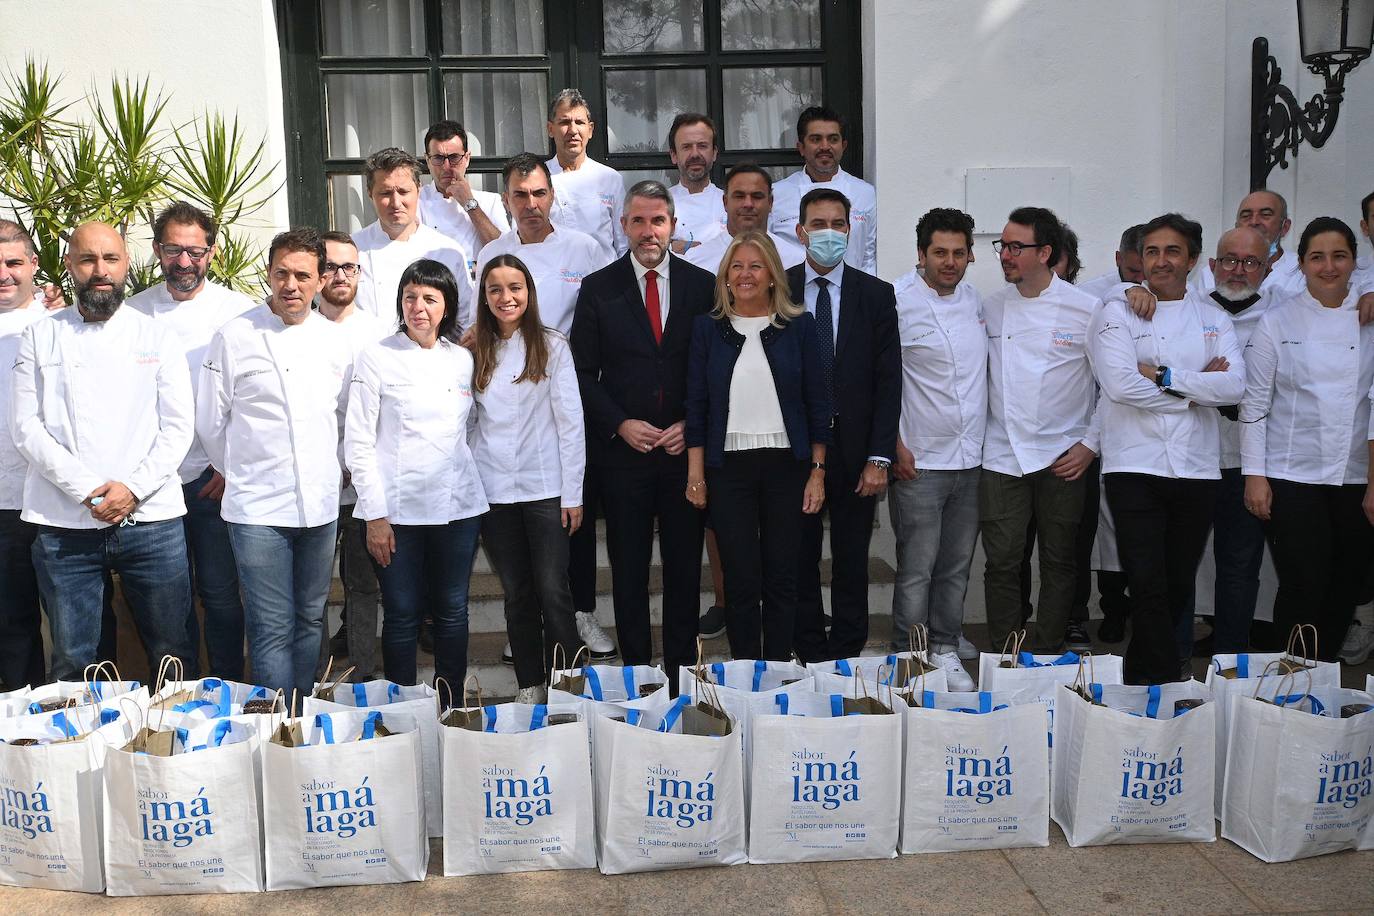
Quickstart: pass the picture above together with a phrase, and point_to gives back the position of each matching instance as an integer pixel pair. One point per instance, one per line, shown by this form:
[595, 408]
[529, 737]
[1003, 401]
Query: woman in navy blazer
[758, 423]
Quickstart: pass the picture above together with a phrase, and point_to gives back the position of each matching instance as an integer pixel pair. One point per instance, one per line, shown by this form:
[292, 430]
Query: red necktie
[651, 304]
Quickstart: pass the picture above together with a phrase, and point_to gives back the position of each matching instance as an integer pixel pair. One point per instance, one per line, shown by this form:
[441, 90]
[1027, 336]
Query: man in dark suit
[630, 334]
[856, 318]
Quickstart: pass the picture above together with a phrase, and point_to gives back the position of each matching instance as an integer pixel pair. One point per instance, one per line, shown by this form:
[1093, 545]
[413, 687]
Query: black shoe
[1076, 636]
[1026, 611]
[712, 623]
[338, 643]
[1112, 629]
[1202, 647]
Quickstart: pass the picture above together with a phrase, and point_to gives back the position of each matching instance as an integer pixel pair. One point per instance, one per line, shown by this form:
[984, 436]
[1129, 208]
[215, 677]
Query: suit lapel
[634, 302]
[848, 304]
[678, 318]
[796, 283]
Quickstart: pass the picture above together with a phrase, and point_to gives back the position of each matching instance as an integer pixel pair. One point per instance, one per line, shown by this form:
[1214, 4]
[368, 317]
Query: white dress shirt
[450, 219]
[661, 281]
[95, 402]
[1244, 322]
[590, 199]
[863, 215]
[708, 254]
[811, 289]
[405, 440]
[1041, 392]
[528, 437]
[557, 264]
[944, 374]
[195, 321]
[1144, 429]
[268, 414]
[13, 467]
[383, 261]
[699, 215]
[1305, 414]
[362, 330]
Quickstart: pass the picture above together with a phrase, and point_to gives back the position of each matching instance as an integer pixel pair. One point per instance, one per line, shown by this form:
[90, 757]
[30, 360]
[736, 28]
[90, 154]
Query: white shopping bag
[741, 686]
[342, 801]
[420, 701]
[1041, 674]
[896, 669]
[670, 789]
[606, 683]
[1134, 764]
[1298, 775]
[517, 789]
[181, 820]
[976, 771]
[829, 785]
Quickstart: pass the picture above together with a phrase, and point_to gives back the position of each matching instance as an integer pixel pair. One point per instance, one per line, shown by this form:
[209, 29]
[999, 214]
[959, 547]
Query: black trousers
[1161, 531]
[21, 639]
[851, 529]
[632, 499]
[755, 501]
[1082, 549]
[1323, 547]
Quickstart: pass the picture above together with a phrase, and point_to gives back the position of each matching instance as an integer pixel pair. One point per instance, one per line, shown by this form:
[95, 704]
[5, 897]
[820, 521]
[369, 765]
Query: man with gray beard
[102, 411]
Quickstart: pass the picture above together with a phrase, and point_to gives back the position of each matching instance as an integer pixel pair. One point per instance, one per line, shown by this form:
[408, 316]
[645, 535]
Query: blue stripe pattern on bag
[627, 674]
[1027, 660]
[836, 706]
[538, 717]
[1152, 704]
[393, 693]
[59, 720]
[489, 714]
[673, 714]
[370, 726]
[984, 704]
[760, 667]
[359, 695]
[782, 701]
[325, 727]
[718, 669]
[593, 682]
[632, 716]
[842, 667]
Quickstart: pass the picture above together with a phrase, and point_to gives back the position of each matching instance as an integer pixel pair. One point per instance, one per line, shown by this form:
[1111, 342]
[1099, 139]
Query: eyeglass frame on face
[438, 159]
[1016, 248]
[194, 252]
[1251, 264]
[350, 269]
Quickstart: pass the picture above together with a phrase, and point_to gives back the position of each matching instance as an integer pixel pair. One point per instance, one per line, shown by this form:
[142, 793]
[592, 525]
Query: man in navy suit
[630, 335]
[856, 318]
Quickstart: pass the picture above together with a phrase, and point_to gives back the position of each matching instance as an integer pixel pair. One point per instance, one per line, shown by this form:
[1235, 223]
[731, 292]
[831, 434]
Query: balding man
[103, 413]
[1266, 212]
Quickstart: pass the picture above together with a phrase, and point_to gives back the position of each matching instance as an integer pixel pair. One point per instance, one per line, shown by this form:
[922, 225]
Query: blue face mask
[1273, 248]
[827, 246]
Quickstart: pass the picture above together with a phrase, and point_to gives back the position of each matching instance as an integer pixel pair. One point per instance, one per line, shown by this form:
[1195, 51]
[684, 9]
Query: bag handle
[370, 723]
[1259, 681]
[324, 726]
[782, 702]
[627, 674]
[593, 683]
[836, 706]
[439, 706]
[918, 640]
[568, 664]
[760, 667]
[1298, 639]
[477, 688]
[170, 665]
[673, 714]
[1011, 647]
[879, 682]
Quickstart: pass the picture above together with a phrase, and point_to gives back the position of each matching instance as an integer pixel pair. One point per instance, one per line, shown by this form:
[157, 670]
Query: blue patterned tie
[827, 337]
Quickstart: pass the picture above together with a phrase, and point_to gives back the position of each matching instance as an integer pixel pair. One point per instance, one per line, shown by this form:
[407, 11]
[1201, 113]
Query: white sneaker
[533, 696]
[956, 678]
[598, 643]
[967, 650]
[1359, 643]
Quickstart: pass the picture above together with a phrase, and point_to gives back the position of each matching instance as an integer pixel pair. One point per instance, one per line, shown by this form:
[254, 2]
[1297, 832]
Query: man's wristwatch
[1159, 375]
[470, 205]
[881, 464]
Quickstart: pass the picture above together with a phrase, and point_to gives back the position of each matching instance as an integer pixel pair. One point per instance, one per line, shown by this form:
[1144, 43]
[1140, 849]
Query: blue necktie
[827, 337]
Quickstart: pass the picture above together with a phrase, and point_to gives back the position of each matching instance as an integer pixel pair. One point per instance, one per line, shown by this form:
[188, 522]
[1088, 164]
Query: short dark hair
[386, 161]
[816, 195]
[11, 232]
[1325, 224]
[943, 219]
[341, 238]
[1073, 264]
[819, 113]
[303, 238]
[1189, 229]
[1365, 206]
[688, 118]
[1044, 225]
[1130, 239]
[749, 168]
[185, 214]
[525, 164]
[428, 272]
[652, 190]
[445, 130]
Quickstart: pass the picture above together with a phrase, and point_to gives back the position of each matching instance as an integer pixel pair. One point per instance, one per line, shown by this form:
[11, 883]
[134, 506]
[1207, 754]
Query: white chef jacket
[708, 255]
[1041, 391]
[195, 321]
[863, 215]
[944, 374]
[383, 261]
[1244, 322]
[405, 440]
[1145, 430]
[268, 414]
[362, 329]
[449, 218]
[557, 264]
[95, 402]
[1305, 414]
[699, 216]
[590, 199]
[13, 467]
[1283, 278]
[1103, 285]
[528, 438]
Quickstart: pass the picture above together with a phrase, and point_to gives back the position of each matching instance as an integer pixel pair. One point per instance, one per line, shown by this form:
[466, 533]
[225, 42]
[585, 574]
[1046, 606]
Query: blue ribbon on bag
[843, 668]
[593, 682]
[674, 713]
[718, 669]
[760, 667]
[217, 736]
[627, 674]
[538, 715]
[1027, 660]
[984, 703]
[324, 727]
[370, 726]
[632, 716]
[836, 705]
[1318, 707]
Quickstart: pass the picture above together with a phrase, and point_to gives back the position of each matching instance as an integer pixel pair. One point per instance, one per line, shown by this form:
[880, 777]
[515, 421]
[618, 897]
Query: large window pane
[368, 111]
[350, 209]
[503, 27]
[503, 112]
[372, 28]
[641, 105]
[666, 177]
[762, 104]
[769, 25]
[642, 26]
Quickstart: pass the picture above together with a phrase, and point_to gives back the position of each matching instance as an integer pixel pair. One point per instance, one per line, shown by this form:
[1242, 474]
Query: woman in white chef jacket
[418, 487]
[529, 443]
[1305, 449]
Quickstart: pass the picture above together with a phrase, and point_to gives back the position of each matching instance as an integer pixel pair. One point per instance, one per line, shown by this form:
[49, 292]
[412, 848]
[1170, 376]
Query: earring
[770, 285]
[727, 286]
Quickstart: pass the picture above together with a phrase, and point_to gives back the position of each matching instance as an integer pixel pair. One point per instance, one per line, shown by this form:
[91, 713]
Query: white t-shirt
[863, 215]
[591, 200]
[441, 213]
[557, 264]
[384, 260]
[699, 216]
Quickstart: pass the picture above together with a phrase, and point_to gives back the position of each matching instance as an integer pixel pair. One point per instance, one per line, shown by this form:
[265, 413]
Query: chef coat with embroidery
[557, 264]
[383, 261]
[863, 215]
[590, 199]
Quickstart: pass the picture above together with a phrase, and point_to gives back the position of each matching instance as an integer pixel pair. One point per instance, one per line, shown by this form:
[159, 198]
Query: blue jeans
[216, 581]
[935, 520]
[150, 558]
[1238, 546]
[21, 637]
[285, 574]
[428, 572]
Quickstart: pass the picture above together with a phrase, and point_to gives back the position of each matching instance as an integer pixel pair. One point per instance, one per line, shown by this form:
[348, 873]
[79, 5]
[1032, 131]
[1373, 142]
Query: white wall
[1146, 103]
[204, 54]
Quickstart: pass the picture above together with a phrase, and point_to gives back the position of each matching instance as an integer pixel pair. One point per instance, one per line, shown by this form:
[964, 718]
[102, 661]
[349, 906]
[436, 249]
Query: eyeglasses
[350, 269]
[194, 252]
[452, 159]
[1014, 247]
[1250, 264]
